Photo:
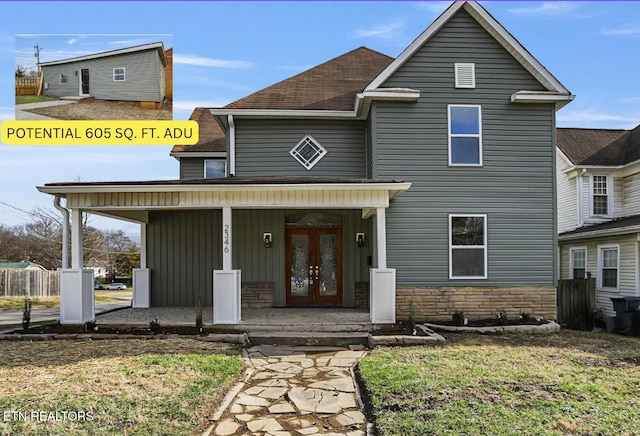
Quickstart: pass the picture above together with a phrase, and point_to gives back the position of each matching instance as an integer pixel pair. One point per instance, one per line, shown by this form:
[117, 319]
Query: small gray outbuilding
[129, 74]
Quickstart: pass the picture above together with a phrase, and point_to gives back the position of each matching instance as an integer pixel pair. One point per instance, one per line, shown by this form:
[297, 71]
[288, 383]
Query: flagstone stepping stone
[226, 427]
[249, 400]
[282, 408]
[272, 393]
[342, 384]
[266, 425]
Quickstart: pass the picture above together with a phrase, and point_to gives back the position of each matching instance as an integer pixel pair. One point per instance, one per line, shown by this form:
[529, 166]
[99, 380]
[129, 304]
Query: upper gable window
[465, 75]
[118, 74]
[465, 135]
[308, 152]
[600, 195]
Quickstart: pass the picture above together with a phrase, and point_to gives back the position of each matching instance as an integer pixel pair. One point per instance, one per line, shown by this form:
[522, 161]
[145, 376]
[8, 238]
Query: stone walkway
[291, 391]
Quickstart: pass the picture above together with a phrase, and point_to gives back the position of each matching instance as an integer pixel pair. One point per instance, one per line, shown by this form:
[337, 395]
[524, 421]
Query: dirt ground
[105, 110]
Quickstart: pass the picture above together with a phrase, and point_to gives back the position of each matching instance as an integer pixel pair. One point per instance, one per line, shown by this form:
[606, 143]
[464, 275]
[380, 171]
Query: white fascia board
[364, 99]
[618, 171]
[559, 99]
[599, 233]
[155, 45]
[205, 154]
[91, 189]
[282, 113]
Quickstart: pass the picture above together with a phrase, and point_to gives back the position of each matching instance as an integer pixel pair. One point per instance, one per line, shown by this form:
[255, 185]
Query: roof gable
[211, 138]
[158, 46]
[495, 29]
[332, 85]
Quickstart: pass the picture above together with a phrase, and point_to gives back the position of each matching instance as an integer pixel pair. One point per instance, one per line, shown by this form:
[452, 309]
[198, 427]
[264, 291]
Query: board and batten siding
[567, 196]
[629, 279]
[262, 148]
[144, 77]
[514, 187]
[631, 194]
[184, 248]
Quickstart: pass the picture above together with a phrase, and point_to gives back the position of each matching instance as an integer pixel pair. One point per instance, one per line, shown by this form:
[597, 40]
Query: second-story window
[600, 195]
[214, 168]
[465, 135]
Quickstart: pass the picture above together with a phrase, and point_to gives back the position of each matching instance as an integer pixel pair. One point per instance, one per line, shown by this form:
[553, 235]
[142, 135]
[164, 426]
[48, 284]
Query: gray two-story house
[422, 183]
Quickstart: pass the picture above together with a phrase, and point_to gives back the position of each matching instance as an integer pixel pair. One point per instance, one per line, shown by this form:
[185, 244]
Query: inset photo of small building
[112, 77]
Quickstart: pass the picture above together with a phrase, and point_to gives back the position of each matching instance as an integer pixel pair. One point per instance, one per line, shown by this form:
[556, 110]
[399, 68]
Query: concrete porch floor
[281, 319]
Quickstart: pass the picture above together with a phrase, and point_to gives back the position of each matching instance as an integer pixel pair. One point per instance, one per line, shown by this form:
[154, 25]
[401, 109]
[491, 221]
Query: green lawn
[17, 303]
[572, 383]
[133, 387]
[24, 99]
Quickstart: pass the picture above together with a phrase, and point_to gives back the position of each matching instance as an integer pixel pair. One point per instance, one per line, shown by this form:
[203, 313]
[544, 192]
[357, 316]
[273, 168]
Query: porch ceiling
[133, 200]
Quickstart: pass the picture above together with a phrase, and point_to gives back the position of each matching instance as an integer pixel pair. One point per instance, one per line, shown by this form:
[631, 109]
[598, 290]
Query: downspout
[65, 231]
[232, 146]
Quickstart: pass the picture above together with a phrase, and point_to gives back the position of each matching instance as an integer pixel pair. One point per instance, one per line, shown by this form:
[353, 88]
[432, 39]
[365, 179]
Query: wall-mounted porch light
[267, 239]
[360, 239]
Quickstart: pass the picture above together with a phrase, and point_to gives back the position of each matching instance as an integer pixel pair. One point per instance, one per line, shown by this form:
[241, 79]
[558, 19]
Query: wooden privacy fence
[36, 283]
[577, 303]
[29, 85]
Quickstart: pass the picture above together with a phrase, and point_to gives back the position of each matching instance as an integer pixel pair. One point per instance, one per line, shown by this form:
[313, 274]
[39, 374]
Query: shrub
[26, 313]
[458, 317]
[154, 325]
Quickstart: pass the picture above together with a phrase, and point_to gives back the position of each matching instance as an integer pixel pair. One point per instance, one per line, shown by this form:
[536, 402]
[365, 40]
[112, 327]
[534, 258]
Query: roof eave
[159, 46]
[597, 233]
[282, 113]
[559, 99]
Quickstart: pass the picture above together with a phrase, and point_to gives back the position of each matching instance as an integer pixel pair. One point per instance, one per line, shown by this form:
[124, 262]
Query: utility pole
[37, 55]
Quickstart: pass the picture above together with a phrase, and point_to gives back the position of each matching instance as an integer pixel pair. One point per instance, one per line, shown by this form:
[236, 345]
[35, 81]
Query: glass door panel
[328, 262]
[300, 265]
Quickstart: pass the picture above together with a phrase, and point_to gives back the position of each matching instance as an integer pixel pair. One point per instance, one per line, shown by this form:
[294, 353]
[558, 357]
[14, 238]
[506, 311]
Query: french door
[314, 266]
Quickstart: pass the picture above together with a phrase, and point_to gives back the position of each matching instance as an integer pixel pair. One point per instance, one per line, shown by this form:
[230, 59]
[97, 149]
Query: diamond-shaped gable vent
[308, 152]
[465, 75]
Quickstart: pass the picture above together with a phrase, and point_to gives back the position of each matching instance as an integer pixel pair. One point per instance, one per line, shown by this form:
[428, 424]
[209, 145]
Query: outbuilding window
[119, 74]
[63, 78]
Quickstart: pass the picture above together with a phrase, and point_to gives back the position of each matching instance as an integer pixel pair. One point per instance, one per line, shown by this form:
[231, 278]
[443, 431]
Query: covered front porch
[213, 258]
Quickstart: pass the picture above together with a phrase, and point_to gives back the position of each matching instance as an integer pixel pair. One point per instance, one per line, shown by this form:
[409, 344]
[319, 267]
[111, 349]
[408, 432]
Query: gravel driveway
[105, 110]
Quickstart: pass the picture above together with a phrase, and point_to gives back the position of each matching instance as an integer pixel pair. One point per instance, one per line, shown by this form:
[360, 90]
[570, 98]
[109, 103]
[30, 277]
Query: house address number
[225, 239]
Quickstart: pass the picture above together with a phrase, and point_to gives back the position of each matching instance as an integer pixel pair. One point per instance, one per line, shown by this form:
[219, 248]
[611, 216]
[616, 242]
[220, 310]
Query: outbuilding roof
[159, 46]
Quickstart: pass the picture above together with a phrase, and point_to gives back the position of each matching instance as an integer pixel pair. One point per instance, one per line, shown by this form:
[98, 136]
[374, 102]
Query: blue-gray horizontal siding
[262, 148]
[514, 187]
[144, 77]
[191, 168]
[183, 249]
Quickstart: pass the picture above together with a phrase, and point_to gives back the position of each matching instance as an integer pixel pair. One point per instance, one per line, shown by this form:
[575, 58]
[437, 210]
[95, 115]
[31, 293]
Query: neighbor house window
[600, 199]
[118, 74]
[215, 168]
[608, 266]
[578, 265]
[465, 135]
[63, 78]
[308, 152]
[467, 246]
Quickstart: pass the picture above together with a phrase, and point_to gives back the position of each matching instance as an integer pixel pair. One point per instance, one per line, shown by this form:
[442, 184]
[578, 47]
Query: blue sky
[226, 50]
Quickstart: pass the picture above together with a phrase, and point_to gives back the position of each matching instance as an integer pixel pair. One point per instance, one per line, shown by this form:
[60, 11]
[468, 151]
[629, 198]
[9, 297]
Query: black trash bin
[626, 310]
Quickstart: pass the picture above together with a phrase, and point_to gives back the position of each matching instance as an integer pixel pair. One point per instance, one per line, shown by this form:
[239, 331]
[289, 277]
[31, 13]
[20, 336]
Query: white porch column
[382, 280]
[142, 275]
[226, 282]
[77, 303]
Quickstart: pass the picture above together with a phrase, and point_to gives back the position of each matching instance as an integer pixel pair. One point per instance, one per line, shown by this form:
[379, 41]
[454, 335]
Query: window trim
[484, 246]
[466, 135]
[66, 79]
[301, 159]
[124, 74]
[572, 250]
[609, 181]
[204, 168]
[601, 248]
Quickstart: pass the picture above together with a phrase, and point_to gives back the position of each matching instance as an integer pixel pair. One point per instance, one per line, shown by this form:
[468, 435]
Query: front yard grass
[17, 303]
[134, 387]
[24, 99]
[571, 383]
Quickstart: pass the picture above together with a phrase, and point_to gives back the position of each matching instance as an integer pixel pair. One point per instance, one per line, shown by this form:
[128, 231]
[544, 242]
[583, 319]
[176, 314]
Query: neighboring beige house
[598, 172]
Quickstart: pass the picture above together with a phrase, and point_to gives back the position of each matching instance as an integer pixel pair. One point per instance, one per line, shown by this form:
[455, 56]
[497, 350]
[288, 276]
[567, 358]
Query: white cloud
[192, 104]
[547, 8]
[629, 29]
[434, 7]
[209, 62]
[72, 41]
[589, 117]
[384, 31]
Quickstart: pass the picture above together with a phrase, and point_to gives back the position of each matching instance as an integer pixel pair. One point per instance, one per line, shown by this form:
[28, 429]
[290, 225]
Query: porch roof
[134, 200]
[620, 226]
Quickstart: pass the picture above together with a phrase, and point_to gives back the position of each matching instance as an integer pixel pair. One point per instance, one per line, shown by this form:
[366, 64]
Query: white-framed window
[465, 135]
[467, 246]
[601, 198]
[215, 168]
[64, 78]
[609, 266]
[465, 75]
[308, 152]
[119, 74]
[578, 262]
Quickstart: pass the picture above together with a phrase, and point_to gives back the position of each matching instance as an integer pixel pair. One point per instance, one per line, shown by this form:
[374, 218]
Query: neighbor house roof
[599, 147]
[626, 224]
[211, 138]
[332, 85]
[159, 46]
[21, 265]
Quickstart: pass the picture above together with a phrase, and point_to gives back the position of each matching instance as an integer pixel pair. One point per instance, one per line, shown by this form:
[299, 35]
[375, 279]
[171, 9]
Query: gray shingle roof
[600, 147]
